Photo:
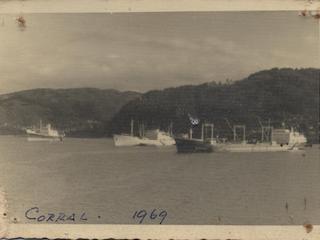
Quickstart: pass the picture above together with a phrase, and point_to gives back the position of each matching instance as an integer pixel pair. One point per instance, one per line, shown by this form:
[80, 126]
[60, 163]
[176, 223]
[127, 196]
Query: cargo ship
[279, 140]
[153, 137]
[44, 133]
[187, 144]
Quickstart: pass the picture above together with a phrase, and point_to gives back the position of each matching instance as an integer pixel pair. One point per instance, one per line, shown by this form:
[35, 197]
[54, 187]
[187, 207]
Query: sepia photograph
[160, 118]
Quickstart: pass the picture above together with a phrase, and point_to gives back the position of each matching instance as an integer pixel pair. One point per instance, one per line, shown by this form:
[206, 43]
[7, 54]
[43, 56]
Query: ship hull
[125, 140]
[130, 141]
[161, 139]
[193, 146]
[42, 137]
[254, 148]
[199, 146]
[150, 142]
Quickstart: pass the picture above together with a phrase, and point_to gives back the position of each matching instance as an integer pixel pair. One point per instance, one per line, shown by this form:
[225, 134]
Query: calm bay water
[109, 184]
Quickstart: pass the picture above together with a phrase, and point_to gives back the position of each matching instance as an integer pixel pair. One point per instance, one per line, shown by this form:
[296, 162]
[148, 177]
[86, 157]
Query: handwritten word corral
[142, 215]
[34, 214]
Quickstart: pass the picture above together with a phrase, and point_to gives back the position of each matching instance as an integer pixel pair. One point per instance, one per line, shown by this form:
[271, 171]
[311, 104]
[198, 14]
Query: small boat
[44, 133]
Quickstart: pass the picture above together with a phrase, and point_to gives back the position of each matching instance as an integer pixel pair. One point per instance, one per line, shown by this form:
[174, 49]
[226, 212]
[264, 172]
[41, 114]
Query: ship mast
[131, 127]
[266, 131]
[228, 123]
[190, 133]
[243, 127]
[204, 129]
[170, 129]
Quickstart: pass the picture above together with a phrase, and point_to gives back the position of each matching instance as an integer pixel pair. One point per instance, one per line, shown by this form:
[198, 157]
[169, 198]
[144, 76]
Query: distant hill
[78, 111]
[285, 97]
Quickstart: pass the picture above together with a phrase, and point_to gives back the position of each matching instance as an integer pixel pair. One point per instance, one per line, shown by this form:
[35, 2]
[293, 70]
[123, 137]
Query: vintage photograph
[171, 118]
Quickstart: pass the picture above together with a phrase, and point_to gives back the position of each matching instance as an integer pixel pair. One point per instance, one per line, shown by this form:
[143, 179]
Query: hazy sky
[143, 51]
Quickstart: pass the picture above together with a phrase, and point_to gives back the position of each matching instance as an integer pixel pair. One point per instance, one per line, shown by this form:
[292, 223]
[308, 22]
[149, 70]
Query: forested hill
[78, 111]
[285, 97]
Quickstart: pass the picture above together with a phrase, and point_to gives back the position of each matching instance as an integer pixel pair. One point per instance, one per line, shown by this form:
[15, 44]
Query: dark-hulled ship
[188, 144]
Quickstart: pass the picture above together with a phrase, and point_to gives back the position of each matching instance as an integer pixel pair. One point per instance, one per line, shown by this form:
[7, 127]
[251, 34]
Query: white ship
[44, 133]
[282, 140]
[273, 140]
[153, 137]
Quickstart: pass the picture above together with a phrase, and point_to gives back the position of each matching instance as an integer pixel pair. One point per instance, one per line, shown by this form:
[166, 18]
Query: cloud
[147, 51]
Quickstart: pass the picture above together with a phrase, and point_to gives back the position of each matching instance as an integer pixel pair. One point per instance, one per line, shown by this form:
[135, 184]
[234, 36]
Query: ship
[153, 137]
[273, 140]
[44, 133]
[187, 144]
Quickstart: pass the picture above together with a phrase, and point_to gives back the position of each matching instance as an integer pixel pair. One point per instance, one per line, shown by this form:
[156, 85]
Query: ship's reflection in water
[110, 183]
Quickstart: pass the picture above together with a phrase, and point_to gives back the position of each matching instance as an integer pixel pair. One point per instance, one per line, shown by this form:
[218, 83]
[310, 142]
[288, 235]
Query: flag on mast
[194, 121]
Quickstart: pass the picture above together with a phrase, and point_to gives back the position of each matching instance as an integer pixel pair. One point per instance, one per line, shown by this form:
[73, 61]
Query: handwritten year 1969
[156, 215]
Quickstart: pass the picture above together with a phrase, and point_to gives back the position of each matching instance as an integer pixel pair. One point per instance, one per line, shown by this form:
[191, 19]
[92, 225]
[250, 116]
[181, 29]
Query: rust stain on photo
[303, 13]
[308, 13]
[308, 227]
[21, 22]
[317, 15]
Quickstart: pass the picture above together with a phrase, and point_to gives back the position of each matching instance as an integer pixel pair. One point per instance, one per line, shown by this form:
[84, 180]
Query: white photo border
[119, 231]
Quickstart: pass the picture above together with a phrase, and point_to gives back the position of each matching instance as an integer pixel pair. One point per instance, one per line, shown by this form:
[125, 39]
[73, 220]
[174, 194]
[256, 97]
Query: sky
[144, 51]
